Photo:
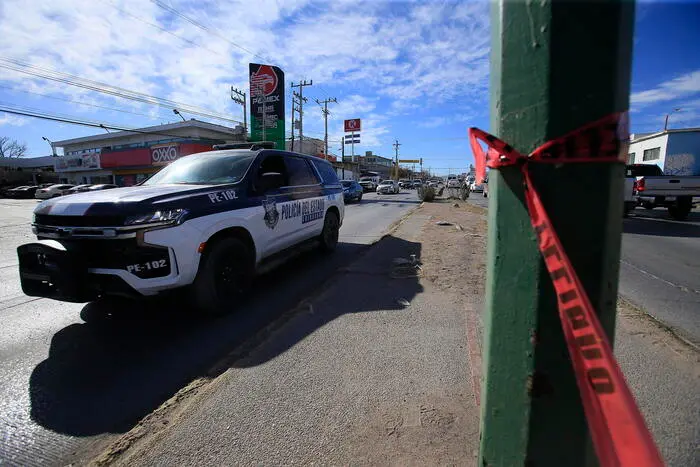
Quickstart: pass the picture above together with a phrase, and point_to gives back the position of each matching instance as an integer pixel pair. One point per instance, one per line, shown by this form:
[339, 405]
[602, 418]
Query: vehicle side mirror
[270, 181]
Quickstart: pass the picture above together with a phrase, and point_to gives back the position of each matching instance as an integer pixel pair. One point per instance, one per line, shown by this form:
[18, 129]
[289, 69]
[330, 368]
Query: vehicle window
[300, 172]
[327, 172]
[347, 184]
[205, 169]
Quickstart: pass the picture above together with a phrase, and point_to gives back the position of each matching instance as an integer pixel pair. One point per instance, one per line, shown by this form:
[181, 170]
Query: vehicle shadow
[105, 375]
[647, 225]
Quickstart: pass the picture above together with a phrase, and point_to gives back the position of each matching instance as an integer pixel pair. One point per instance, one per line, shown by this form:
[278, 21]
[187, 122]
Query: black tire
[681, 209]
[359, 198]
[330, 233]
[225, 273]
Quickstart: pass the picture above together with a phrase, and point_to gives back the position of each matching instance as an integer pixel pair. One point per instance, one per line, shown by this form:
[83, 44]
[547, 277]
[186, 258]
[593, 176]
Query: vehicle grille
[79, 221]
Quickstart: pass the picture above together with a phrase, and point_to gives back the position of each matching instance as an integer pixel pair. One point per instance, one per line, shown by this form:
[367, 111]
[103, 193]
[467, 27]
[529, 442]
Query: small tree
[11, 148]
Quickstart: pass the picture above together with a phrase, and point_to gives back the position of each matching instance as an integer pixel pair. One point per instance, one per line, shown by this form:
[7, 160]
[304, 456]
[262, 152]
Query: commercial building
[372, 164]
[26, 170]
[129, 157]
[310, 146]
[676, 152]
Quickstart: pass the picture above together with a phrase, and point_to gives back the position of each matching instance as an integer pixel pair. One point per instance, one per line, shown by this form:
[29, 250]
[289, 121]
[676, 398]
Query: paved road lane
[660, 269]
[69, 385]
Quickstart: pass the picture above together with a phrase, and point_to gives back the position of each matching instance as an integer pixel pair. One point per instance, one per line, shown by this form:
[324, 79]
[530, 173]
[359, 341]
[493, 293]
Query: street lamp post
[53, 148]
[177, 112]
[668, 115]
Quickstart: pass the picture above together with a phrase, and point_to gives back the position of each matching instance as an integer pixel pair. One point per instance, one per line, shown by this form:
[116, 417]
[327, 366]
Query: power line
[76, 121]
[152, 117]
[205, 28]
[161, 28]
[72, 80]
[300, 100]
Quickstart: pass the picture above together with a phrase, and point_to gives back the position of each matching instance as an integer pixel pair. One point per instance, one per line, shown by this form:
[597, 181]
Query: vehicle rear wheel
[330, 233]
[359, 198]
[225, 273]
[681, 209]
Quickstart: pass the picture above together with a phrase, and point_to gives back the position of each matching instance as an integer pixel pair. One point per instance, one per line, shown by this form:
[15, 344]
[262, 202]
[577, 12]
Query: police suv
[207, 221]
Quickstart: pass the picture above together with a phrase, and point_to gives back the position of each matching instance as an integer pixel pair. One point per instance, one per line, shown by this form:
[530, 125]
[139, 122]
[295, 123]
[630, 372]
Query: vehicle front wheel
[330, 233]
[359, 198]
[225, 273]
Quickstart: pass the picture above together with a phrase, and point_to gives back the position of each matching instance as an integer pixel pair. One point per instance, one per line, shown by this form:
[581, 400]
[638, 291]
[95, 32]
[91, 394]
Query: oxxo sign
[164, 154]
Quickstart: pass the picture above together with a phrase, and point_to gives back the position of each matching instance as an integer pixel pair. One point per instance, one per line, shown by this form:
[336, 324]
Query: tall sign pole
[531, 409]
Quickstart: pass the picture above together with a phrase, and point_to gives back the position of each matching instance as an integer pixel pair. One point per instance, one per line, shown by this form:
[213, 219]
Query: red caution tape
[617, 428]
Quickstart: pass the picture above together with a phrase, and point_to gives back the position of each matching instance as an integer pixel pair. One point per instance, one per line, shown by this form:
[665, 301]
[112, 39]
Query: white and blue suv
[208, 222]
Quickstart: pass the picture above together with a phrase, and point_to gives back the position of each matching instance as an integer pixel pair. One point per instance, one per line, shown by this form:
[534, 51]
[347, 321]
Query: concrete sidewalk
[374, 370]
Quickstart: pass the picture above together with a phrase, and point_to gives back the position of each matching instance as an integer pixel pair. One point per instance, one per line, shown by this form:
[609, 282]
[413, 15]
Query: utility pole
[342, 154]
[396, 150]
[238, 97]
[301, 100]
[531, 410]
[324, 110]
[668, 115]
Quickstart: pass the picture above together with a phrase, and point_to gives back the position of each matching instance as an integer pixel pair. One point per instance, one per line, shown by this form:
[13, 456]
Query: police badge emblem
[272, 215]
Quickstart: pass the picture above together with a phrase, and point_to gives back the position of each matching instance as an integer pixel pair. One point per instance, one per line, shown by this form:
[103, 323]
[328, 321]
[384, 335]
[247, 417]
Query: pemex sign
[266, 103]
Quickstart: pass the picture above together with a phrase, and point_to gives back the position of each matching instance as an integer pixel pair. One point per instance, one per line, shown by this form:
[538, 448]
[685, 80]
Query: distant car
[477, 187]
[78, 189]
[416, 184]
[388, 186]
[103, 186]
[352, 191]
[368, 184]
[53, 191]
[22, 192]
[453, 183]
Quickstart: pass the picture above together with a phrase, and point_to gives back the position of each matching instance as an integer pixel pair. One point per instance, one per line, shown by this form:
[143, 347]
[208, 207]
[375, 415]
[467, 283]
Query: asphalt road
[659, 268]
[70, 386]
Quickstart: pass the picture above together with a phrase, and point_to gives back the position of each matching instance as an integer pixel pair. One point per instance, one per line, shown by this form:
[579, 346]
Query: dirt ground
[455, 255]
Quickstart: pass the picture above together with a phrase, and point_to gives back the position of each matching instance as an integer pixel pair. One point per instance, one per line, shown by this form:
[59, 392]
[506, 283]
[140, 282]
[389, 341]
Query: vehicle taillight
[639, 184]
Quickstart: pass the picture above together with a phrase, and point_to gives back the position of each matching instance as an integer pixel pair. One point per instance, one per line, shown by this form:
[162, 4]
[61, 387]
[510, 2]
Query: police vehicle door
[268, 226]
[307, 207]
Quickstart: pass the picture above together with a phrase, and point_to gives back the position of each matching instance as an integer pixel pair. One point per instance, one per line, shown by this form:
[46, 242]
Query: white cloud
[677, 88]
[12, 120]
[433, 122]
[385, 58]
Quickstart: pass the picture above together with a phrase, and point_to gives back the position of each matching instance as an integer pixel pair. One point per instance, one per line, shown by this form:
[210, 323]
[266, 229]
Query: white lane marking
[683, 288]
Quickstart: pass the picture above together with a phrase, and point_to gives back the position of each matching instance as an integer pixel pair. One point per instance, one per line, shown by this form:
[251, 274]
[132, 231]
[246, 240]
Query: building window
[651, 154]
[630, 158]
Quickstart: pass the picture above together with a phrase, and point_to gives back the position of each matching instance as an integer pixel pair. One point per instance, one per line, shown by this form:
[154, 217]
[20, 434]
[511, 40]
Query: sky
[416, 72]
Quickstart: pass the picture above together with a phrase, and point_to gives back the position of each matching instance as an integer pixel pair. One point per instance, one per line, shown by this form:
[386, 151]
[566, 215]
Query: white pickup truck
[647, 186]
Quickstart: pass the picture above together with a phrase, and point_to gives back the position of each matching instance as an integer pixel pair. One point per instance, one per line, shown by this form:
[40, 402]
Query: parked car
[388, 186]
[103, 186]
[53, 191]
[477, 187]
[22, 192]
[453, 183]
[78, 189]
[352, 191]
[647, 186]
[417, 184]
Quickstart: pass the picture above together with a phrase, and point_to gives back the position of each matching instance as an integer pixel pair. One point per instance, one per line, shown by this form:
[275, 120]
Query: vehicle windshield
[346, 183]
[386, 182]
[205, 169]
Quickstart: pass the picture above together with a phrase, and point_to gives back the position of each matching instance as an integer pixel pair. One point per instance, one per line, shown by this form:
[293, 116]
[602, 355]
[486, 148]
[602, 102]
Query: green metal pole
[555, 66]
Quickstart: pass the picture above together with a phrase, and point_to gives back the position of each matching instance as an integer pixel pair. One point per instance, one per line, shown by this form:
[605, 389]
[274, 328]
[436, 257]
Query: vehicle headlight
[168, 216]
